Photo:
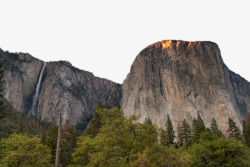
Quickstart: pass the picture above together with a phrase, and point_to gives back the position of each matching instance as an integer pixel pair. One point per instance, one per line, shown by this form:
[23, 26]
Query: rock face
[175, 78]
[21, 76]
[74, 93]
[65, 89]
[181, 79]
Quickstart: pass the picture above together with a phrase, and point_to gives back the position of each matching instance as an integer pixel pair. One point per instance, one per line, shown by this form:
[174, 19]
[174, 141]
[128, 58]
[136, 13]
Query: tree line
[111, 139]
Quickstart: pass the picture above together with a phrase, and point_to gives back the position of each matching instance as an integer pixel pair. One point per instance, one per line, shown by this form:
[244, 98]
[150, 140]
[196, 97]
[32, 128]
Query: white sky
[104, 37]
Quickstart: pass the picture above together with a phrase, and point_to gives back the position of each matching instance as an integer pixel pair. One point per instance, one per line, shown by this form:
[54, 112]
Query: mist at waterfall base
[32, 111]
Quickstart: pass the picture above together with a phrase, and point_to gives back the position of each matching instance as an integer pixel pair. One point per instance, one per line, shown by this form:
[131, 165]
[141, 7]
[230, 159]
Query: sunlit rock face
[181, 79]
[65, 90]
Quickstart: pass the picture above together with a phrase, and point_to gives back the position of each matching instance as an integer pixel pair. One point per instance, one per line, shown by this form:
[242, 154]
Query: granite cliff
[64, 89]
[182, 79]
[175, 78]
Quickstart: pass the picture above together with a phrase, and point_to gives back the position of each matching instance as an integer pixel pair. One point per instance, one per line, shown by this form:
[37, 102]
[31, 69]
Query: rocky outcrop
[182, 79]
[65, 89]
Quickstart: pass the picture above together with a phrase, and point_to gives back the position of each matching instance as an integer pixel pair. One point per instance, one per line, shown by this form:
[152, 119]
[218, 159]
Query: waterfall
[37, 93]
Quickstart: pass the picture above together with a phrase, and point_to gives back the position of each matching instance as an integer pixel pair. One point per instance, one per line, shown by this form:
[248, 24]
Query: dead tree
[57, 163]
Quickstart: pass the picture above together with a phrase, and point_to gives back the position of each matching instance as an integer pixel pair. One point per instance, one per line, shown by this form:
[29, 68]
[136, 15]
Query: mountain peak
[166, 44]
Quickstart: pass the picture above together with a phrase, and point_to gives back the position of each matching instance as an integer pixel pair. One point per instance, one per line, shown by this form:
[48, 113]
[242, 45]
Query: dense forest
[111, 139]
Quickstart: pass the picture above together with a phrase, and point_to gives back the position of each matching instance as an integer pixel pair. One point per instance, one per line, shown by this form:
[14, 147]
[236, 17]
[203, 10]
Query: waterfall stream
[37, 93]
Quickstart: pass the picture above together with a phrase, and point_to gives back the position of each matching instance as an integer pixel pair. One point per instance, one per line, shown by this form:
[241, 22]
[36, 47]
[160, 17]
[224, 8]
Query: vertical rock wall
[181, 79]
[65, 89]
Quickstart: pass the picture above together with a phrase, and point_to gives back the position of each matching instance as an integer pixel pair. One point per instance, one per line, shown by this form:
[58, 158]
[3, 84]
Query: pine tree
[51, 141]
[68, 143]
[170, 131]
[163, 137]
[179, 136]
[198, 128]
[234, 131]
[246, 129]
[148, 121]
[58, 146]
[2, 107]
[95, 124]
[184, 135]
[214, 128]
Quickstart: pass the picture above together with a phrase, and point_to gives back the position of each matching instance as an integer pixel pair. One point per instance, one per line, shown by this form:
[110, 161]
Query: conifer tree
[198, 128]
[234, 131]
[68, 143]
[2, 108]
[43, 138]
[148, 121]
[179, 136]
[170, 131]
[95, 124]
[184, 135]
[246, 129]
[214, 128]
[58, 146]
[51, 141]
[163, 137]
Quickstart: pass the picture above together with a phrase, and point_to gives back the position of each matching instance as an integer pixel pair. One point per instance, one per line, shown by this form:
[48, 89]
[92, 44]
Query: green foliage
[16, 122]
[163, 137]
[214, 129]
[215, 151]
[123, 142]
[246, 129]
[234, 131]
[184, 134]
[21, 150]
[68, 143]
[161, 156]
[118, 144]
[143, 160]
[51, 141]
[85, 147]
[167, 136]
[95, 124]
[148, 121]
[198, 128]
[170, 131]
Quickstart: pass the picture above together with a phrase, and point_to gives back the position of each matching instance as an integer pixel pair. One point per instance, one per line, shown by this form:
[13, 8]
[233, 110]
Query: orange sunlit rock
[178, 43]
[189, 44]
[167, 44]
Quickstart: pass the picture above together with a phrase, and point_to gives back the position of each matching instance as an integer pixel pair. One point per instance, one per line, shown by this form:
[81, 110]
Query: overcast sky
[104, 37]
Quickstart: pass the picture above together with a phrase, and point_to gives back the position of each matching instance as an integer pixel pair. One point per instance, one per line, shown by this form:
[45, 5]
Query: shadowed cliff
[64, 89]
